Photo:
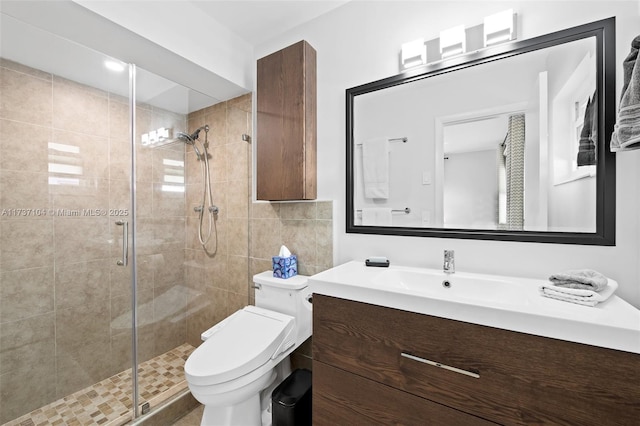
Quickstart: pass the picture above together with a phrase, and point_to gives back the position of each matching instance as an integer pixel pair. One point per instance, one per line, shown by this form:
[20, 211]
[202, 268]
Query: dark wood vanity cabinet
[378, 365]
[286, 124]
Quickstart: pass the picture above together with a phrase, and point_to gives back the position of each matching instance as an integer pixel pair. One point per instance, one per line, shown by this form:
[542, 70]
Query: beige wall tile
[238, 199]
[80, 108]
[238, 159]
[119, 116]
[169, 234]
[25, 98]
[200, 316]
[325, 210]
[24, 191]
[266, 238]
[89, 156]
[80, 369]
[238, 275]
[15, 66]
[120, 198]
[15, 154]
[217, 271]
[120, 159]
[168, 165]
[167, 203]
[218, 163]
[168, 271]
[216, 117]
[324, 244]
[27, 342]
[82, 283]
[24, 390]
[298, 210]
[120, 277]
[300, 237]
[82, 239]
[262, 210]
[86, 195]
[242, 102]
[238, 238]
[26, 244]
[82, 325]
[235, 302]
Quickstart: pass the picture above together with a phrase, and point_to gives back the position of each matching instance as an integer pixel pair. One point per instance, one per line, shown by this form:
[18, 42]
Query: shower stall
[120, 193]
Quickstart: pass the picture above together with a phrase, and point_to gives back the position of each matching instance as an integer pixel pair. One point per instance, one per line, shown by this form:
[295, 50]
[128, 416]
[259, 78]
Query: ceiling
[258, 20]
[23, 40]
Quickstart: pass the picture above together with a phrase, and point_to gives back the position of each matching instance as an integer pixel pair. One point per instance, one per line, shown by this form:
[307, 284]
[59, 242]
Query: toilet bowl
[246, 355]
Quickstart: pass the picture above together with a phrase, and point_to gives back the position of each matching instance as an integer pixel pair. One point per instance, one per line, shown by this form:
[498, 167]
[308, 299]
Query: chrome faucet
[449, 266]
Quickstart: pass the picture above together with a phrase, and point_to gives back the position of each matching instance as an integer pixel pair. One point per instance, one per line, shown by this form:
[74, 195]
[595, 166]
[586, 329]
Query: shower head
[190, 140]
[193, 136]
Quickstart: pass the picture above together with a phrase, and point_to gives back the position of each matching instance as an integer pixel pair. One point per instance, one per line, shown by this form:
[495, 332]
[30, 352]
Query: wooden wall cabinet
[286, 124]
[361, 377]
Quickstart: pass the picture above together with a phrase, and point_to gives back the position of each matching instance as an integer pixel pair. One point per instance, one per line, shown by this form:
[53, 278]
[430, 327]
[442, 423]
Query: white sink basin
[460, 286]
[510, 303]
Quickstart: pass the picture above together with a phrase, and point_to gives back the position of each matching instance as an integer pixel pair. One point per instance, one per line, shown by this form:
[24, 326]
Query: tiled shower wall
[217, 275]
[64, 304]
[249, 234]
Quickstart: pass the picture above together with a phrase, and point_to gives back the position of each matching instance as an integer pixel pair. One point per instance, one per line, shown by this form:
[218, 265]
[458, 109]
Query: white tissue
[284, 252]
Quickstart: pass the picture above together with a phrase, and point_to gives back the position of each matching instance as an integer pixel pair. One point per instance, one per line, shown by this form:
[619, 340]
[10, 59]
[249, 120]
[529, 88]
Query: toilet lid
[245, 341]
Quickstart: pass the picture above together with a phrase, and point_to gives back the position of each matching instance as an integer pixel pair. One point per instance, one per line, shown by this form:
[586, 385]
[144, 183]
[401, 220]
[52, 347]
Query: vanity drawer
[502, 376]
[341, 398]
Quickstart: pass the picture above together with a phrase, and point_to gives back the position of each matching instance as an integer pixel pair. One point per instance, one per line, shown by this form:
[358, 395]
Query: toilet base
[246, 413]
[254, 410]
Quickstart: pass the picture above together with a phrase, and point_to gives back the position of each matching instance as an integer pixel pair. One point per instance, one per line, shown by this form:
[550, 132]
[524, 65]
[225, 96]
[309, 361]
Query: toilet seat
[239, 345]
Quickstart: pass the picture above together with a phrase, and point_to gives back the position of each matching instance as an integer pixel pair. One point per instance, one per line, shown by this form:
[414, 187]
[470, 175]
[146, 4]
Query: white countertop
[510, 303]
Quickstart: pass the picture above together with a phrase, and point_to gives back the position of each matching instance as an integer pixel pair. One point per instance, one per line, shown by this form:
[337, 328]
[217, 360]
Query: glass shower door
[169, 274]
[65, 303]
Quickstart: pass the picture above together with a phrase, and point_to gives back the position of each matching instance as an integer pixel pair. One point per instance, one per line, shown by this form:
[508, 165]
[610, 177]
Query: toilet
[245, 356]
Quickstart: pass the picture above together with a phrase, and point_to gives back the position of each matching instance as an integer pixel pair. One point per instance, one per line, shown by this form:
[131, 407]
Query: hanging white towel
[376, 217]
[375, 164]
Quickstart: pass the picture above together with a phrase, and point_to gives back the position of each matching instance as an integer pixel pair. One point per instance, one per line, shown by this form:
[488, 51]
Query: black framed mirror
[505, 143]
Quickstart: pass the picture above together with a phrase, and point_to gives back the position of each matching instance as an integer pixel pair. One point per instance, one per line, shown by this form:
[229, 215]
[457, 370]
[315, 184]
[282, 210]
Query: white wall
[471, 190]
[360, 42]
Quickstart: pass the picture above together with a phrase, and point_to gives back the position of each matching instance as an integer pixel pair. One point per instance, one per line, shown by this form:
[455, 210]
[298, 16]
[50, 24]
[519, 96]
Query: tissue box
[285, 267]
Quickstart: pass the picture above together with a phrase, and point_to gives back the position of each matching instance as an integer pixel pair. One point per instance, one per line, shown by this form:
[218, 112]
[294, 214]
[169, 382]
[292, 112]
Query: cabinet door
[341, 398]
[503, 376]
[286, 124]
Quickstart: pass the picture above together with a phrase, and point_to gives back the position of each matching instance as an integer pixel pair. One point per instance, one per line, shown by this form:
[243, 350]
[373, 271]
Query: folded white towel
[376, 217]
[579, 296]
[585, 279]
[375, 165]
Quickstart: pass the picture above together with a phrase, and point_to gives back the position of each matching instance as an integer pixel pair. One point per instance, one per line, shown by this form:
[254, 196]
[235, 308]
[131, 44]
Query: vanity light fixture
[499, 27]
[453, 41]
[414, 53]
[157, 137]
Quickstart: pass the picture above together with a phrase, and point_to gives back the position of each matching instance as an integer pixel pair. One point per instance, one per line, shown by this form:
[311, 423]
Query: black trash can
[291, 400]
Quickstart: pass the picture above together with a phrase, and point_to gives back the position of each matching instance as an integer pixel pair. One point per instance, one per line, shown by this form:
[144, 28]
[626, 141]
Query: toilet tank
[288, 296]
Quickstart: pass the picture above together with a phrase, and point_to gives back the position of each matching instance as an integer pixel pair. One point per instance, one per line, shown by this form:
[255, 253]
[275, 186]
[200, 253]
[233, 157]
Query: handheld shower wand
[207, 198]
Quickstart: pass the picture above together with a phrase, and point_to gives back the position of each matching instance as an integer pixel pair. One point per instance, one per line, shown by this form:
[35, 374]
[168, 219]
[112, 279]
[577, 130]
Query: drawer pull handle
[437, 364]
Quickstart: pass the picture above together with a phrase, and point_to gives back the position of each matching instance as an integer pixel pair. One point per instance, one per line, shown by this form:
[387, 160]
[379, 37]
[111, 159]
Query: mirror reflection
[506, 145]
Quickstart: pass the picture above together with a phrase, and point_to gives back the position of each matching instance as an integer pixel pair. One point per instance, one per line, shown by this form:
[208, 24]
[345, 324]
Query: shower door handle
[125, 243]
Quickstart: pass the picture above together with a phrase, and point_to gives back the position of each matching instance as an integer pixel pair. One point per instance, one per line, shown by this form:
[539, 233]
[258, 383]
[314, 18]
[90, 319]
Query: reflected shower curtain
[511, 176]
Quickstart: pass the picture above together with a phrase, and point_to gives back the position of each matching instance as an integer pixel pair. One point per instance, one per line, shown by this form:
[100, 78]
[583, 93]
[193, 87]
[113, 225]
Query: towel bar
[406, 210]
[403, 139]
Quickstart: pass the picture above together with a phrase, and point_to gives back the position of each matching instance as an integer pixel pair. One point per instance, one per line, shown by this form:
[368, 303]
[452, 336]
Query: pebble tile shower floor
[109, 402]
